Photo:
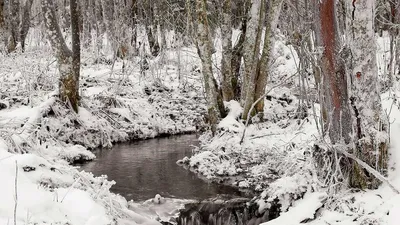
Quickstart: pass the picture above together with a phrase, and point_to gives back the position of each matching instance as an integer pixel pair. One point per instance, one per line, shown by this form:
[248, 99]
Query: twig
[259, 99]
[69, 189]
[16, 193]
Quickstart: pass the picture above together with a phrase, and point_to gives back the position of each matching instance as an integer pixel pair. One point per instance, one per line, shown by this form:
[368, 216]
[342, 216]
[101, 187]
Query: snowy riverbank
[118, 105]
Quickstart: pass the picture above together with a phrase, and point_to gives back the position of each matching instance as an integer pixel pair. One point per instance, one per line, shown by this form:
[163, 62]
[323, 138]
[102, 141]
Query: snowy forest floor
[117, 105]
[275, 159]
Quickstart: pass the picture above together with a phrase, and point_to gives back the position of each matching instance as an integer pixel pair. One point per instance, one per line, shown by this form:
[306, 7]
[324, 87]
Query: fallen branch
[378, 175]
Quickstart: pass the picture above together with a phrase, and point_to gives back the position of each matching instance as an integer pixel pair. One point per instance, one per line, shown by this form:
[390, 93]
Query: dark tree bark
[76, 43]
[351, 104]
[228, 92]
[237, 55]
[335, 112]
[1, 14]
[13, 25]
[25, 23]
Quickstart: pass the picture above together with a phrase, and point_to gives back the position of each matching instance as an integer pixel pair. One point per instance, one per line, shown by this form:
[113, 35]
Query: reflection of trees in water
[145, 168]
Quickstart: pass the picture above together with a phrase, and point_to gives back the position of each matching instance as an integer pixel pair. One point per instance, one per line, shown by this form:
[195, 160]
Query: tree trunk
[273, 13]
[2, 24]
[153, 42]
[237, 55]
[204, 49]
[76, 44]
[13, 25]
[68, 85]
[108, 16]
[1, 14]
[25, 23]
[228, 91]
[371, 127]
[396, 18]
[335, 112]
[251, 54]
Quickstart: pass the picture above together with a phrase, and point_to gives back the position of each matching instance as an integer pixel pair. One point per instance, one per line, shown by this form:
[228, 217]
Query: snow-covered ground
[119, 103]
[122, 104]
[275, 157]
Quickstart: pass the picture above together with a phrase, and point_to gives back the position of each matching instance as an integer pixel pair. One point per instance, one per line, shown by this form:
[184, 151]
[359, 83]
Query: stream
[143, 169]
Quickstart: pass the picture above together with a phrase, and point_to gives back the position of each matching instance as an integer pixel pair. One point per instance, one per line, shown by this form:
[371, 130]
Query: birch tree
[351, 105]
[69, 77]
[371, 137]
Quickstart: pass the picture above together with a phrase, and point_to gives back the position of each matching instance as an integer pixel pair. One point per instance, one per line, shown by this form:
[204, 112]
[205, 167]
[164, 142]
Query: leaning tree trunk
[69, 83]
[371, 126]
[251, 54]
[273, 13]
[204, 49]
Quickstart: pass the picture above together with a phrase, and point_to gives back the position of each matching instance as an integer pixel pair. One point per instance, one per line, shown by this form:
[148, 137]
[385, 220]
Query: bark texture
[228, 81]
[370, 126]
[76, 43]
[1, 14]
[251, 54]
[13, 25]
[272, 15]
[68, 85]
[204, 48]
[25, 22]
[335, 108]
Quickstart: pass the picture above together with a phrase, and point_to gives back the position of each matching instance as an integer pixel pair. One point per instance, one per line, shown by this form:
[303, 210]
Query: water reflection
[144, 168]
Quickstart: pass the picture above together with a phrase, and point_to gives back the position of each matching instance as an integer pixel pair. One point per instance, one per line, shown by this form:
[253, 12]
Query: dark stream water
[145, 168]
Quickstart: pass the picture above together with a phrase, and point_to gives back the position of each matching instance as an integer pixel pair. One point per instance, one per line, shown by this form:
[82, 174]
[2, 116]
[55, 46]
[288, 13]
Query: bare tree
[13, 24]
[371, 137]
[1, 13]
[69, 78]
[228, 91]
[251, 54]
[76, 46]
[272, 15]
[351, 105]
[25, 22]
[204, 48]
